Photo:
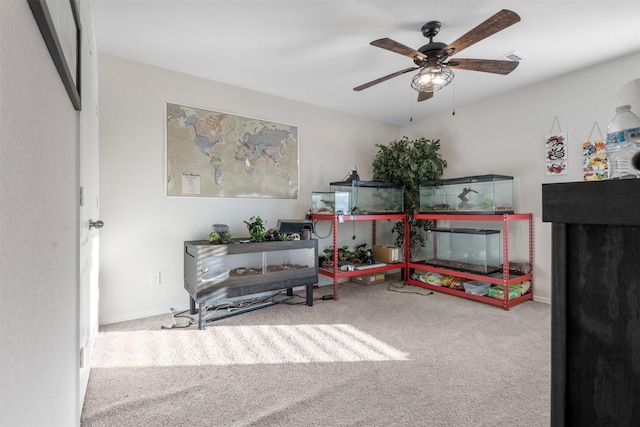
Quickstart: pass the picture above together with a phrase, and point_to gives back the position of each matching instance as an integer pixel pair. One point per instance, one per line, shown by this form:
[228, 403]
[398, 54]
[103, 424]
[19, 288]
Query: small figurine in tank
[464, 204]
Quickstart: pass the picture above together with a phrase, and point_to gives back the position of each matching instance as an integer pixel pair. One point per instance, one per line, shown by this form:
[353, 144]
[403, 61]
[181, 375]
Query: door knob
[96, 224]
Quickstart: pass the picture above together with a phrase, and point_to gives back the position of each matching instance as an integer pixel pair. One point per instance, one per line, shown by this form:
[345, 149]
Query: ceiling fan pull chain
[454, 99]
[410, 106]
[553, 125]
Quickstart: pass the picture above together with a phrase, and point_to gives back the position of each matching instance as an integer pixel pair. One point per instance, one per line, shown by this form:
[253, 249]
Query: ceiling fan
[435, 71]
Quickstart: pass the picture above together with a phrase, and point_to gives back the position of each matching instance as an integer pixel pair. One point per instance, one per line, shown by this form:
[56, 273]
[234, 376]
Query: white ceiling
[317, 51]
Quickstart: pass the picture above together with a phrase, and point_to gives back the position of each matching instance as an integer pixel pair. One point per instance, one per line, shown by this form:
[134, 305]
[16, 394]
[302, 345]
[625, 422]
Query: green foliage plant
[360, 255]
[219, 238]
[256, 229]
[408, 163]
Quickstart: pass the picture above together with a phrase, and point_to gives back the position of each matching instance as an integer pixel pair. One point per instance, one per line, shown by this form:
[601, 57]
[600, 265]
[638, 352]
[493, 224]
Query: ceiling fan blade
[485, 65]
[382, 79]
[396, 47]
[501, 20]
[423, 96]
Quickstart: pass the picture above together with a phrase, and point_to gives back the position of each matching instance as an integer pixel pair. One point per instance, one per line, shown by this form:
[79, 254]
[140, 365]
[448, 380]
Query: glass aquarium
[372, 197]
[241, 266]
[464, 249]
[330, 202]
[481, 194]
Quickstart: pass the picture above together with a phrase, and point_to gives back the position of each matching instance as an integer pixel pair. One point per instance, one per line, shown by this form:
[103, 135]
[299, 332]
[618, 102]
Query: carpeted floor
[381, 355]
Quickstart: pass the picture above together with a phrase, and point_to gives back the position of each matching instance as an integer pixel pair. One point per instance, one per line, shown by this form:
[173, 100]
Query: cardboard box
[369, 279]
[386, 254]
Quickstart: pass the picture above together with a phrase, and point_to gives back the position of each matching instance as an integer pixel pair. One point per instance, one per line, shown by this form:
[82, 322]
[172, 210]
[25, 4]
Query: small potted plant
[220, 234]
[256, 229]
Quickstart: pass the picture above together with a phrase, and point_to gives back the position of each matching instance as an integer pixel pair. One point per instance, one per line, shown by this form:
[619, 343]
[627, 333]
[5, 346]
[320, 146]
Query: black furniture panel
[595, 348]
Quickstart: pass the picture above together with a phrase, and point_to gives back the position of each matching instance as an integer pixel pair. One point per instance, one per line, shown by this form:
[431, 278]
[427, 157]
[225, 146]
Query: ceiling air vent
[513, 56]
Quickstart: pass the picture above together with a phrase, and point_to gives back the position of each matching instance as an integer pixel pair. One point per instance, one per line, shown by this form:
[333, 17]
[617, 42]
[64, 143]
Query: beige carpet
[372, 358]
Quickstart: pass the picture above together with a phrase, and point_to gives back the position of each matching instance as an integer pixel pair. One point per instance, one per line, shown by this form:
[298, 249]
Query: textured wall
[38, 230]
[505, 135]
[145, 230]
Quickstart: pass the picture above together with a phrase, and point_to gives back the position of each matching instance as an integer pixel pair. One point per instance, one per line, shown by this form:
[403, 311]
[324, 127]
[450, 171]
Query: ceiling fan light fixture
[432, 59]
[432, 78]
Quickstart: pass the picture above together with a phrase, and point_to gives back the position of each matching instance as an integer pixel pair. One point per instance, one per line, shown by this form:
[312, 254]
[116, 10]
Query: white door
[88, 292]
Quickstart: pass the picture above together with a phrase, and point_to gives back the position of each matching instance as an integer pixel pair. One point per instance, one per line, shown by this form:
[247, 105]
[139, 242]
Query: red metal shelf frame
[336, 274]
[505, 280]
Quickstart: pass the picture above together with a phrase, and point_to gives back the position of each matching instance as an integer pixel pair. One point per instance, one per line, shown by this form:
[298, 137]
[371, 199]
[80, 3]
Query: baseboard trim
[166, 310]
[142, 314]
[543, 300]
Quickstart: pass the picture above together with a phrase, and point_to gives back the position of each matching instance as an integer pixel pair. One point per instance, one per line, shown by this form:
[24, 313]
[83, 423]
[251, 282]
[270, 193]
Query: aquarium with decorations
[481, 194]
[464, 249]
[330, 202]
[372, 197]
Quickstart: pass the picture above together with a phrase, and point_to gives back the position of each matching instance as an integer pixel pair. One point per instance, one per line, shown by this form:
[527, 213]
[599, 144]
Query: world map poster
[217, 154]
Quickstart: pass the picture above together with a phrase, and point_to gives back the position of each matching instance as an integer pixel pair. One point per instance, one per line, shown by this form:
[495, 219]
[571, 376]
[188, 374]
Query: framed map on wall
[217, 154]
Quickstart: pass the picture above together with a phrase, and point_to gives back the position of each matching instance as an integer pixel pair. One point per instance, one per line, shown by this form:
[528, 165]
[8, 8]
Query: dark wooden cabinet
[595, 348]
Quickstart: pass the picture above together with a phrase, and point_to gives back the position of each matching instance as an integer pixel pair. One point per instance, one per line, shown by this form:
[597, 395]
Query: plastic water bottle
[623, 142]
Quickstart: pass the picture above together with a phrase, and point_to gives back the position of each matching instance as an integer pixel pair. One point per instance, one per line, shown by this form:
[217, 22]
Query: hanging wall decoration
[217, 154]
[594, 156]
[556, 151]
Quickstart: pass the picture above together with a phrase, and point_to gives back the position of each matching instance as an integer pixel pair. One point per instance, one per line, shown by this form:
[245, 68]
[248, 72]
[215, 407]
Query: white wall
[144, 230]
[505, 135]
[38, 231]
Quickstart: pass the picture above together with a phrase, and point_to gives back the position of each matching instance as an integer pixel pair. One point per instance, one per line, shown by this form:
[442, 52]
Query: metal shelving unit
[504, 280]
[336, 220]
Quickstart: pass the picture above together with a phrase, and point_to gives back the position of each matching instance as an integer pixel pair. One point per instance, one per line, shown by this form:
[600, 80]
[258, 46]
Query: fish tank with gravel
[480, 194]
[372, 197]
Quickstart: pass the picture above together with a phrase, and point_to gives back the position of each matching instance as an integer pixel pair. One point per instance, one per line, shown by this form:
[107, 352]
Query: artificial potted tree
[408, 163]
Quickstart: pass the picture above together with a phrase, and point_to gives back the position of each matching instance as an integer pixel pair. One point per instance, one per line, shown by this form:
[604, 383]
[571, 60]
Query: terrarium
[330, 202]
[237, 265]
[372, 197]
[464, 249]
[482, 194]
[214, 274]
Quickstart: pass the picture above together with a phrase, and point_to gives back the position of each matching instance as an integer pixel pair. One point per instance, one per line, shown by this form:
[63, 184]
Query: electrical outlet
[154, 278]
